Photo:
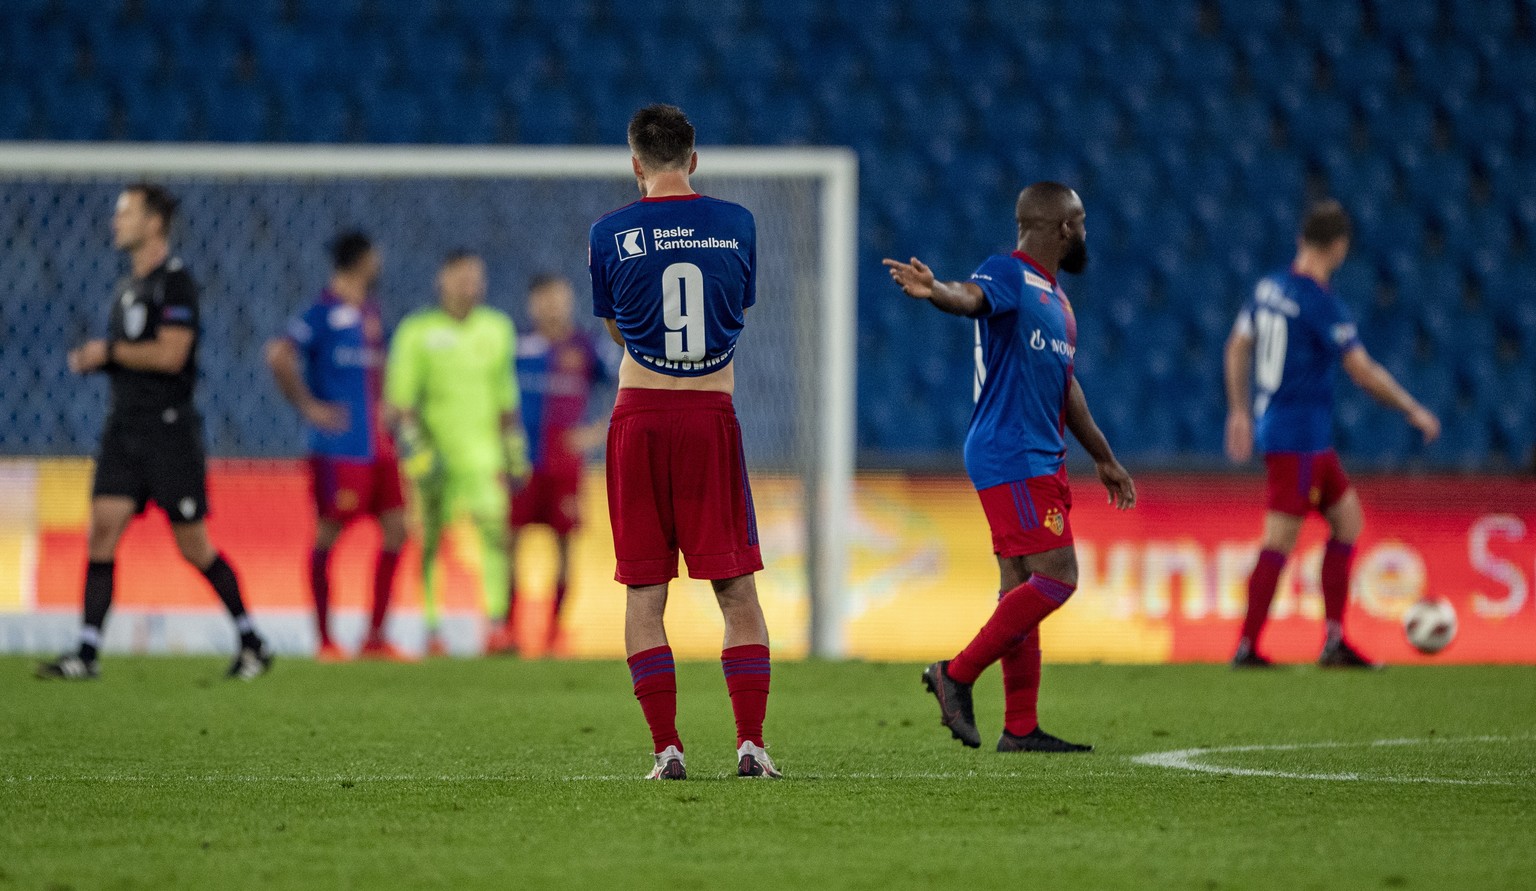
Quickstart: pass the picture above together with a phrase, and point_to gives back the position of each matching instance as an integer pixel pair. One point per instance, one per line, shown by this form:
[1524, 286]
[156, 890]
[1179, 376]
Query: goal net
[252, 228]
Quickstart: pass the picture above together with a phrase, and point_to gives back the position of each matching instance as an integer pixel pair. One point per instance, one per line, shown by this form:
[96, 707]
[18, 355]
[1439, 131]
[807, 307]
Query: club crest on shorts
[1055, 522]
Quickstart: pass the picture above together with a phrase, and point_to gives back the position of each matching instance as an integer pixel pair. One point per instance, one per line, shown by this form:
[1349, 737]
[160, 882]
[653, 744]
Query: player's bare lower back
[633, 375]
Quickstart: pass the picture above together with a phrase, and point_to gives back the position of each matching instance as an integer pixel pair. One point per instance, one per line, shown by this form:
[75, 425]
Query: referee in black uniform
[152, 448]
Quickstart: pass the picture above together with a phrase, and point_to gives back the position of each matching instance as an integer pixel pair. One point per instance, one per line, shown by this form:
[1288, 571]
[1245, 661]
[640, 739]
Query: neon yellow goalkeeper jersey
[458, 378]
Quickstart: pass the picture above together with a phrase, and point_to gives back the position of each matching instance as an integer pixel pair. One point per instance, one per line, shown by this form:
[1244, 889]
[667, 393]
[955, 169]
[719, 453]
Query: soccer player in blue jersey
[1290, 339]
[330, 366]
[558, 365]
[1027, 397]
[672, 277]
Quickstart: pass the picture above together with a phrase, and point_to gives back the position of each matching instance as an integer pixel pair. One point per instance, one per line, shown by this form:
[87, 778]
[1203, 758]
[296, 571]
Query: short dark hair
[661, 137]
[158, 200]
[544, 280]
[349, 248]
[457, 255]
[1325, 223]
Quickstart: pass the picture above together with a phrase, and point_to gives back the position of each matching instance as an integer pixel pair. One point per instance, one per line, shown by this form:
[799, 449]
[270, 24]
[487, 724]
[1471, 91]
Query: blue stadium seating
[1160, 111]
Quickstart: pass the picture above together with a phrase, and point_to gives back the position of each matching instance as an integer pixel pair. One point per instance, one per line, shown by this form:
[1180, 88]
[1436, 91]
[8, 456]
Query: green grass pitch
[505, 774]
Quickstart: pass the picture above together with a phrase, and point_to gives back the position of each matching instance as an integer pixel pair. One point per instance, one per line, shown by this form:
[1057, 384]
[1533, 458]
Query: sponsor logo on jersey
[631, 243]
[1038, 341]
[134, 319]
[681, 238]
[1036, 281]
[343, 316]
[1055, 522]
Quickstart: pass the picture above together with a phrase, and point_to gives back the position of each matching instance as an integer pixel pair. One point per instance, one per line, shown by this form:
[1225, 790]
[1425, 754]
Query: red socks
[746, 677]
[1261, 592]
[655, 677]
[1338, 558]
[383, 585]
[1016, 616]
[320, 587]
[1021, 685]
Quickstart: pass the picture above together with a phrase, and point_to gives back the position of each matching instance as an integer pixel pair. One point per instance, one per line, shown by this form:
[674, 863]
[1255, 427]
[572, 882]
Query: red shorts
[346, 489]
[677, 481]
[1029, 516]
[1302, 482]
[549, 498]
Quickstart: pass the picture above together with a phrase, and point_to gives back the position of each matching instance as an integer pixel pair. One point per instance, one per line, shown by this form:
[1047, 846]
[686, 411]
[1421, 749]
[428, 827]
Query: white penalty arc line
[1193, 760]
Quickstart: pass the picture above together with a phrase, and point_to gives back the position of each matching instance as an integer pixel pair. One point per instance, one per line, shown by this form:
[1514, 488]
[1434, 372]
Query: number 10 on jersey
[682, 306]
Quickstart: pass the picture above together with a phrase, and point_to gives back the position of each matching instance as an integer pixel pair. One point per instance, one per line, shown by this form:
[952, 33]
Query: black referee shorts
[155, 457]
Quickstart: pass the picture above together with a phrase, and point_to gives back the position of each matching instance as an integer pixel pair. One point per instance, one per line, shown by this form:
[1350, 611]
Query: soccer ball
[1430, 624]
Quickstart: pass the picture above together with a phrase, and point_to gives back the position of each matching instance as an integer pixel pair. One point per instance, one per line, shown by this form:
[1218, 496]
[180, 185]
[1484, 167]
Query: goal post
[796, 371]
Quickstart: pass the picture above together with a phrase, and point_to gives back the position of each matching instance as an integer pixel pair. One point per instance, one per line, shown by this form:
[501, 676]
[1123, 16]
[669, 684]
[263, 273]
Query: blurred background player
[152, 446]
[1015, 453]
[557, 366]
[340, 343]
[672, 277]
[449, 382]
[1290, 338]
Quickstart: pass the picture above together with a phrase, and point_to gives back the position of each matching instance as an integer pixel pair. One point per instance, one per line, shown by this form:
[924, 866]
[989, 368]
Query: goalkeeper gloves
[417, 457]
[516, 444]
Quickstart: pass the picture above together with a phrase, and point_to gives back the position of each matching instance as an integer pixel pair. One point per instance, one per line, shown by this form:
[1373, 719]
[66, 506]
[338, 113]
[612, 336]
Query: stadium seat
[313, 114]
[1196, 62]
[1443, 68]
[1395, 122]
[74, 110]
[1244, 16]
[1315, 121]
[1512, 74]
[195, 54]
[235, 114]
[1329, 17]
[1272, 65]
[1360, 65]
[547, 117]
[15, 112]
[1154, 16]
[120, 52]
[1400, 17]
[1433, 176]
[156, 114]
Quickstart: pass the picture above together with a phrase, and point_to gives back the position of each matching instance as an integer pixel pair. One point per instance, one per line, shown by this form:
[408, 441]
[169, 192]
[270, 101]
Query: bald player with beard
[1026, 398]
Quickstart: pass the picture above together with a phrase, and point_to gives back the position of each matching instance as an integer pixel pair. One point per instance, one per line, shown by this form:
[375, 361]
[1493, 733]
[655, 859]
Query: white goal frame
[829, 486]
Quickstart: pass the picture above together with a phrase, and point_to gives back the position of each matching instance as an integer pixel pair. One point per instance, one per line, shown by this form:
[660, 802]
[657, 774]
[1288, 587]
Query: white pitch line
[1192, 760]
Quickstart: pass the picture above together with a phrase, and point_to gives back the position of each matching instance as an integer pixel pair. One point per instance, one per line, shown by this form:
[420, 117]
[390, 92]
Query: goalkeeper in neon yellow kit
[450, 384]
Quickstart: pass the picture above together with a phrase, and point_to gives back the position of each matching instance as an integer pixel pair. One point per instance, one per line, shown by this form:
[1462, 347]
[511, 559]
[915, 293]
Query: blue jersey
[677, 275]
[556, 379]
[343, 350]
[1025, 343]
[1300, 331]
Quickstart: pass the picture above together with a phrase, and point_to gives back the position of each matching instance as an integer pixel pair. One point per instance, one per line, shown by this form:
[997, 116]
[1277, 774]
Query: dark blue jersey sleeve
[998, 279]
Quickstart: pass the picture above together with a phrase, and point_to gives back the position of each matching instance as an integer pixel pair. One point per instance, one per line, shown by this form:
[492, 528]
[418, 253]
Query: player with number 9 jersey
[672, 277]
[702, 253]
